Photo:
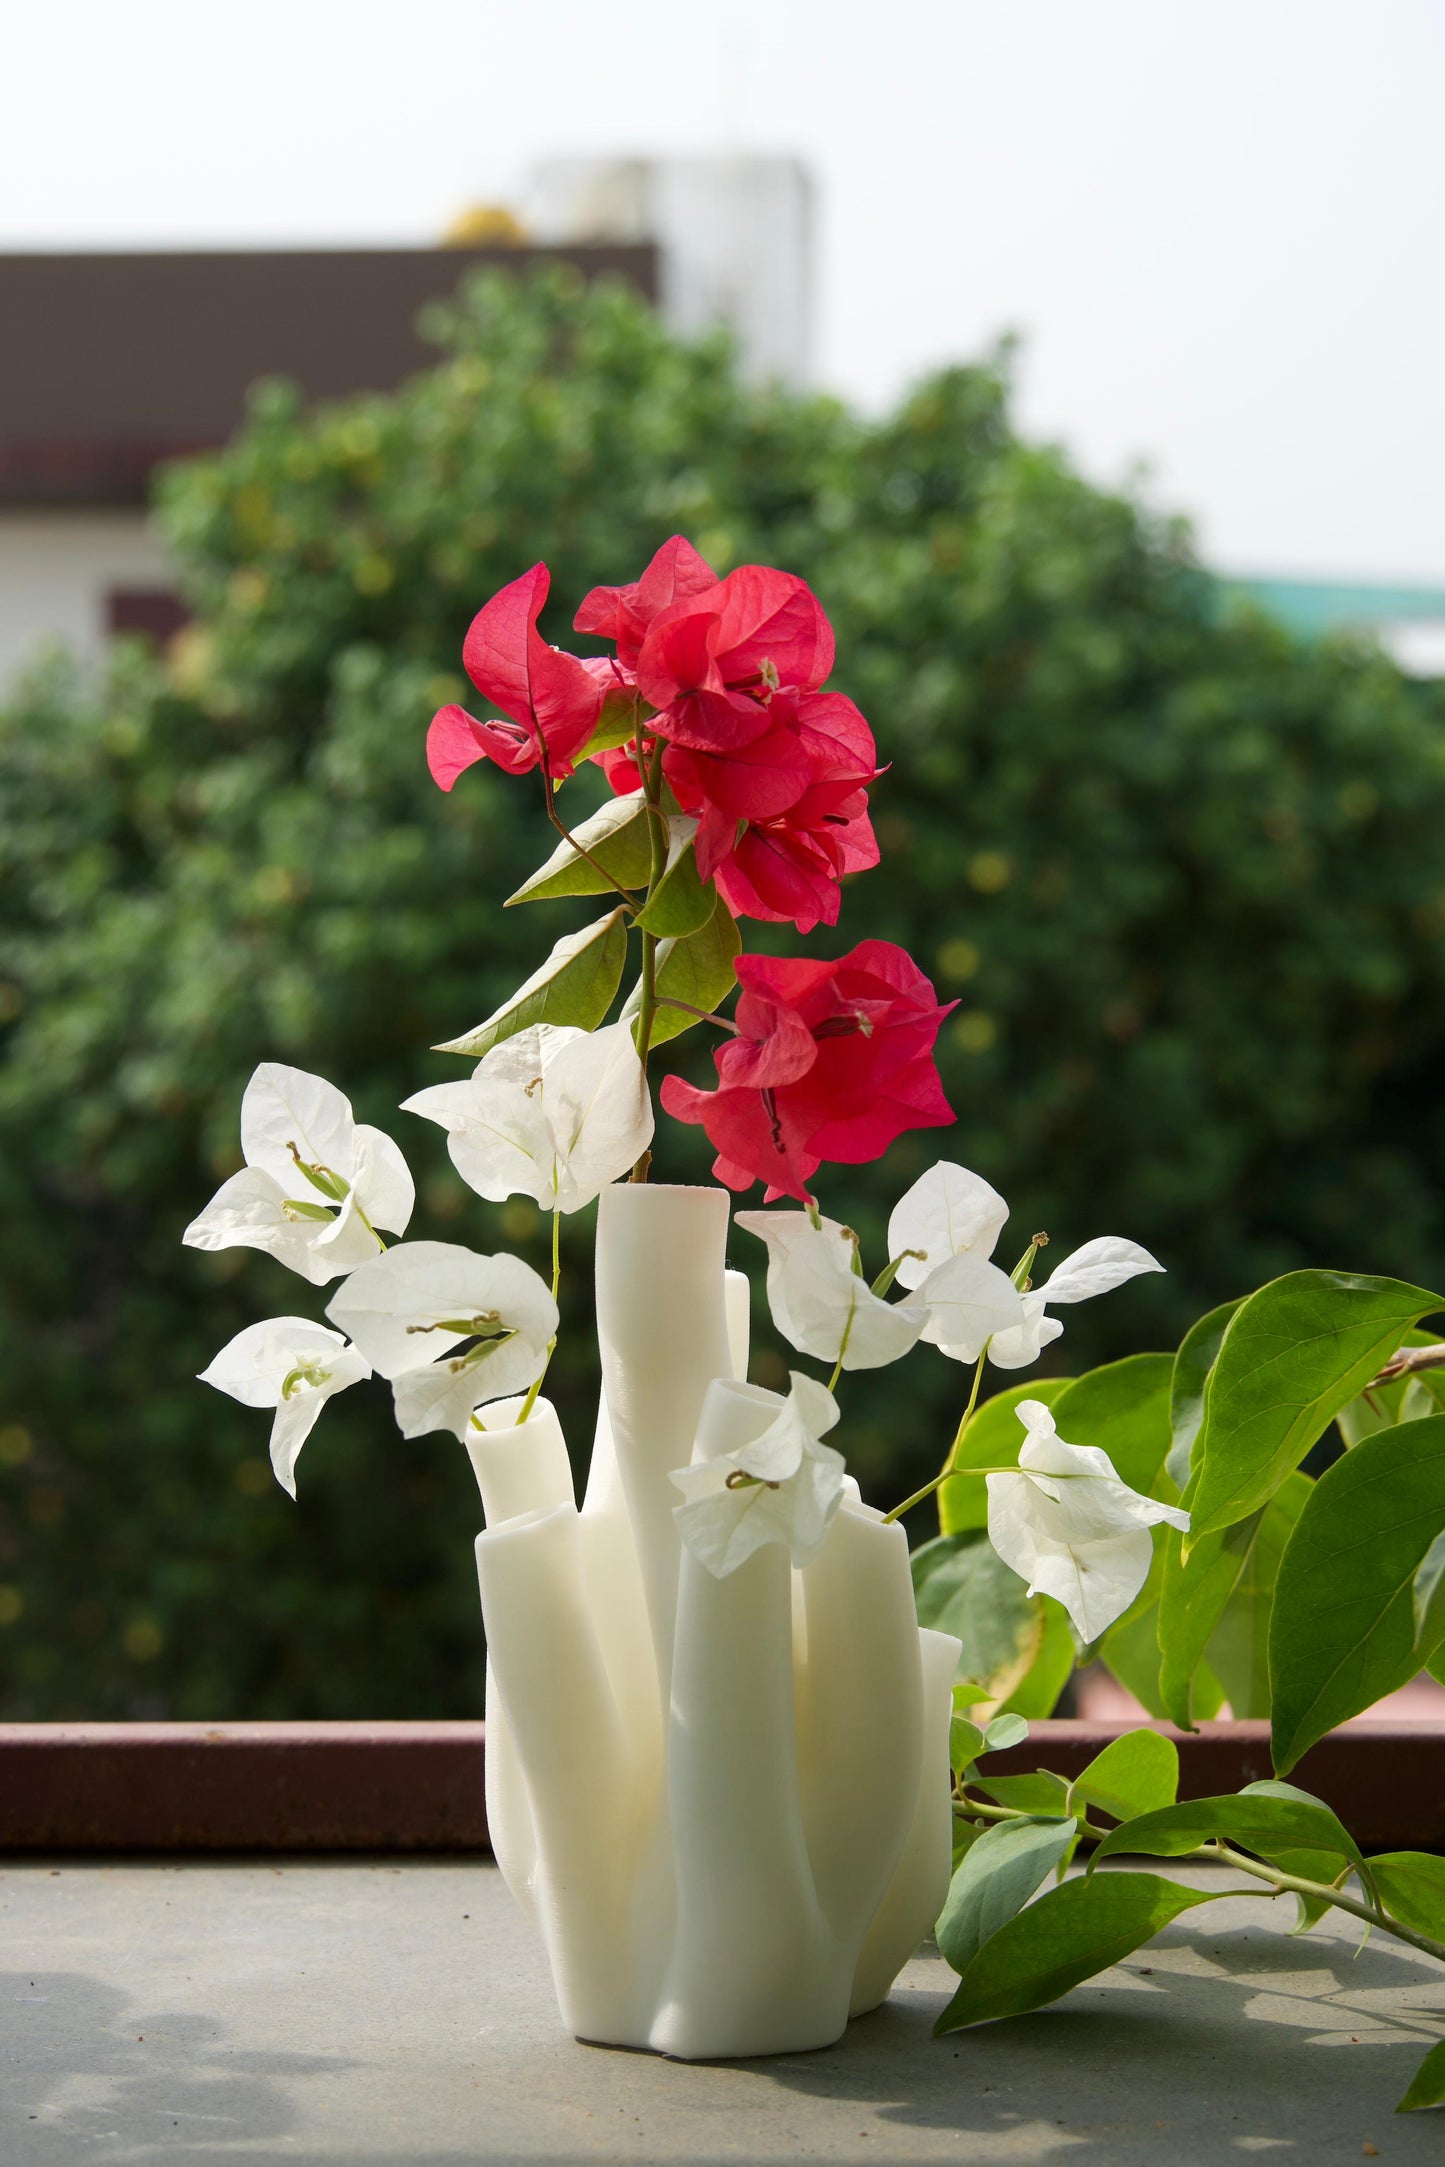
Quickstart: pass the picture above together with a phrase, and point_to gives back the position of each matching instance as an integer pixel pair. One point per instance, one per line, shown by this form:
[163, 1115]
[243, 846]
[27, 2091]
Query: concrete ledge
[182, 1787]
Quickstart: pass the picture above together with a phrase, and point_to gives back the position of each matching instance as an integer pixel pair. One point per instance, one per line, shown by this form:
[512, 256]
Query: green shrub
[1181, 872]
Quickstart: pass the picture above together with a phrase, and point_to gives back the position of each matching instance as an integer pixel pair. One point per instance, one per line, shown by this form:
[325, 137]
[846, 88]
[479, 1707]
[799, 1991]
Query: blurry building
[734, 239]
[1409, 622]
[110, 364]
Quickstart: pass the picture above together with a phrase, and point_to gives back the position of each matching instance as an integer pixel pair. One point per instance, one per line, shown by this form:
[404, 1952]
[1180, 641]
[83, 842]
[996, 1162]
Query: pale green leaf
[682, 902]
[1002, 1870]
[575, 985]
[1133, 1774]
[616, 836]
[698, 970]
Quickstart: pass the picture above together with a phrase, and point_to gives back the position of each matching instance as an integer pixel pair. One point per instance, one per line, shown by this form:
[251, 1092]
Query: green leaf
[1263, 1817]
[965, 1743]
[1192, 1365]
[1411, 1886]
[697, 969]
[1343, 1630]
[1039, 1793]
[1427, 2086]
[1192, 1595]
[623, 712]
[1238, 1653]
[616, 835]
[1428, 1596]
[1076, 1931]
[1001, 1872]
[683, 902]
[1005, 1731]
[1134, 1774]
[1292, 1356]
[575, 985]
[1037, 1693]
[992, 1439]
[1122, 1409]
[962, 1586]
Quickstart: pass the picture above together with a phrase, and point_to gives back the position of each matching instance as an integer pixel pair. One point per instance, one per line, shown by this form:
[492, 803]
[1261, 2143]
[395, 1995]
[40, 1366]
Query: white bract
[290, 1364]
[315, 1183]
[945, 1230]
[784, 1487]
[1070, 1527]
[1097, 1268]
[407, 1311]
[819, 1303]
[552, 1113]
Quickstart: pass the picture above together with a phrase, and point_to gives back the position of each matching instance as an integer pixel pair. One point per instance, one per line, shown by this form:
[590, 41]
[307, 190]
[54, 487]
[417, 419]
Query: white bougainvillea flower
[290, 1364]
[315, 1184]
[819, 1303]
[948, 1212]
[951, 1215]
[784, 1487]
[552, 1113]
[1070, 1527]
[411, 1310]
[1100, 1266]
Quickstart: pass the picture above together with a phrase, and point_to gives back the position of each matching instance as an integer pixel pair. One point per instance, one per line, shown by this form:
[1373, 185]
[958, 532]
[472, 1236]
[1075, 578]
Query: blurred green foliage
[1184, 875]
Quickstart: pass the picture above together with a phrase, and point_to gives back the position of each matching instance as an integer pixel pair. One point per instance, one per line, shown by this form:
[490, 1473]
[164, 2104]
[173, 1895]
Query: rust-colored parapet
[176, 1787]
[242, 1787]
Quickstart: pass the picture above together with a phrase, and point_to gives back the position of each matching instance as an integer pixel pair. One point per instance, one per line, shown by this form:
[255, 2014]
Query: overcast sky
[1220, 228]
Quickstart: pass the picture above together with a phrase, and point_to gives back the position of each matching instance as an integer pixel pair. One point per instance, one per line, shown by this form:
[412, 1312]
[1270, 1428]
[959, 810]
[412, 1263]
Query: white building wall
[734, 237]
[56, 569]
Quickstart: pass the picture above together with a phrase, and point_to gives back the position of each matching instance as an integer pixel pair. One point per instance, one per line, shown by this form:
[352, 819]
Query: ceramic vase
[723, 1803]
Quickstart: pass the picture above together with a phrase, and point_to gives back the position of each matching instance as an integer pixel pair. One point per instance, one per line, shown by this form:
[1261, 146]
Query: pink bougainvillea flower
[552, 699]
[624, 614]
[711, 661]
[831, 1061]
[783, 818]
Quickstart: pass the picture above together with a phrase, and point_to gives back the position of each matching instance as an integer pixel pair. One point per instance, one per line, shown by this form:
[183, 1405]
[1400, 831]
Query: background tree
[1183, 873]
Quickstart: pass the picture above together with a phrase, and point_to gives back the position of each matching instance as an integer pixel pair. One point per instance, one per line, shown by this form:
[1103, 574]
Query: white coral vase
[723, 1803]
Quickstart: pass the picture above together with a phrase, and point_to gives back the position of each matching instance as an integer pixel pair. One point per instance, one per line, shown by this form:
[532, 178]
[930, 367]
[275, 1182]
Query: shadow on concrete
[1186, 2047]
[98, 2069]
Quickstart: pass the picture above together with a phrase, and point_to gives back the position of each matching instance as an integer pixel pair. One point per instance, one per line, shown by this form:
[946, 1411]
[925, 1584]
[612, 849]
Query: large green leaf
[1037, 1693]
[1238, 1653]
[1134, 1774]
[1343, 1630]
[1192, 1365]
[1193, 1593]
[1038, 1793]
[1263, 1817]
[1428, 1597]
[992, 1439]
[1292, 1356]
[1076, 1931]
[1123, 1409]
[575, 985]
[682, 901]
[616, 837]
[1427, 2086]
[1411, 1886]
[962, 1586]
[1000, 1873]
[697, 969]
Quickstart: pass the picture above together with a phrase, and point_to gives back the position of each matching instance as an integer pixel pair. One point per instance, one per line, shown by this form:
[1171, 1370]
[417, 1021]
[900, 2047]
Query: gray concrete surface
[383, 2014]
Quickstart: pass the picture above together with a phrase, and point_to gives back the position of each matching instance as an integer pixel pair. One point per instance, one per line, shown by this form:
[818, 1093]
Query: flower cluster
[717, 681]
[740, 790]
